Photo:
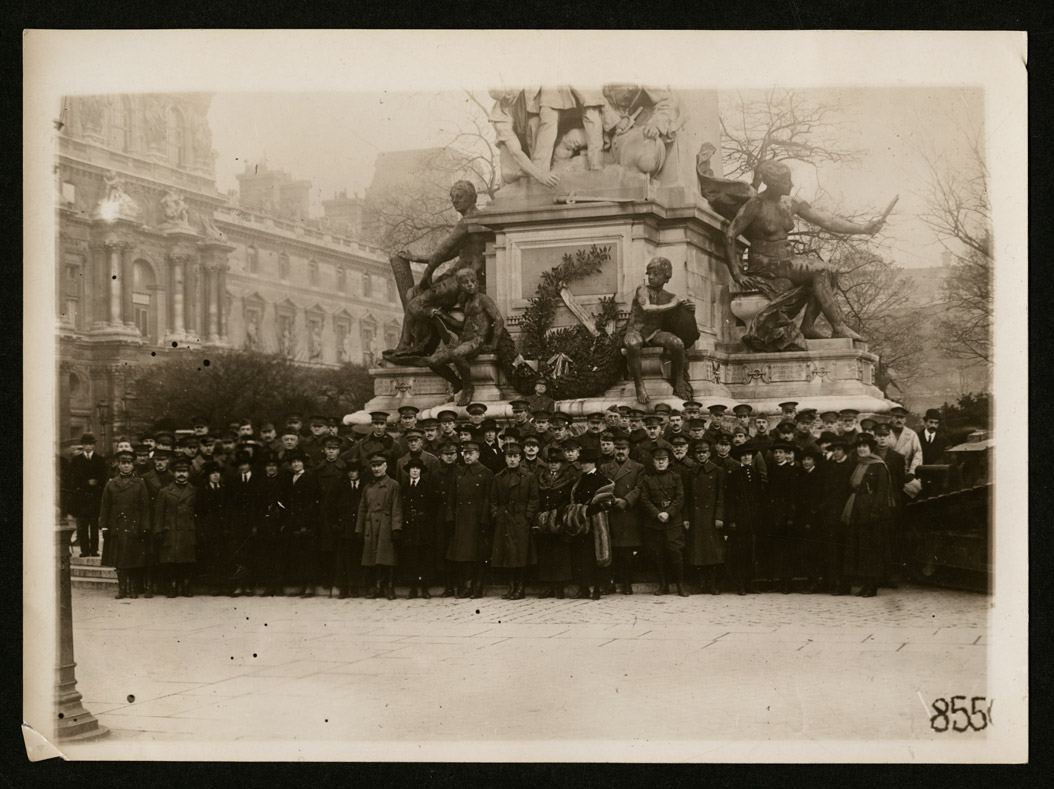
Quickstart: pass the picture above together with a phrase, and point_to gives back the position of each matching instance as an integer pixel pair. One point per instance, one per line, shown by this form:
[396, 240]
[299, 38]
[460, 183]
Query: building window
[367, 286]
[369, 349]
[391, 339]
[71, 293]
[177, 138]
[313, 274]
[342, 280]
[144, 306]
[252, 258]
[283, 266]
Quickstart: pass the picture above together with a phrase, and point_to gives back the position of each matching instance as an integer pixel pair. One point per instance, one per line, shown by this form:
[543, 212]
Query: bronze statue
[658, 318]
[477, 333]
[554, 103]
[421, 302]
[514, 129]
[790, 281]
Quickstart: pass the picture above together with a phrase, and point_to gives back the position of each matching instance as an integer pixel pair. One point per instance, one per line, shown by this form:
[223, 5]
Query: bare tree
[781, 124]
[959, 212]
[417, 211]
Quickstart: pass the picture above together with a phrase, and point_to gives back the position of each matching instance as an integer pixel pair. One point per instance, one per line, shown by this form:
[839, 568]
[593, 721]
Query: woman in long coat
[514, 504]
[125, 515]
[174, 530]
[868, 515]
[380, 522]
[553, 549]
[706, 550]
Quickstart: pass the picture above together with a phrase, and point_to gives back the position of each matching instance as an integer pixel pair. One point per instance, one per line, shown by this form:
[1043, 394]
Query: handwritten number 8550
[977, 717]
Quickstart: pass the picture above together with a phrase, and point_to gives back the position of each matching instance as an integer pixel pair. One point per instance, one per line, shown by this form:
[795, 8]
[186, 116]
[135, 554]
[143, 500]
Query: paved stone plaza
[644, 668]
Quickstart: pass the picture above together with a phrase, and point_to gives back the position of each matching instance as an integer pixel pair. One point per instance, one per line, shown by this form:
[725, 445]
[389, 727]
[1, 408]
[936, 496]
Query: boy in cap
[744, 513]
[175, 531]
[422, 525]
[513, 511]
[124, 517]
[662, 500]
[722, 454]
[380, 522]
[468, 506]
[572, 448]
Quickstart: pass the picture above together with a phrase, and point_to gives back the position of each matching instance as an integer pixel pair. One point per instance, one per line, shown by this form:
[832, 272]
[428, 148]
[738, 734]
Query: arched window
[144, 300]
[177, 138]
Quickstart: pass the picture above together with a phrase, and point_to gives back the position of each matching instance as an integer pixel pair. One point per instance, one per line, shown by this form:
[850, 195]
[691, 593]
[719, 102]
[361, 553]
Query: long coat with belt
[625, 523]
[514, 504]
[175, 524]
[707, 497]
[380, 515]
[469, 509]
[125, 511]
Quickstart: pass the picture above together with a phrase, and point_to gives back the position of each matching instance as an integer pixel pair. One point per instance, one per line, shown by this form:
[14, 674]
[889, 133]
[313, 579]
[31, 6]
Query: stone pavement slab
[625, 668]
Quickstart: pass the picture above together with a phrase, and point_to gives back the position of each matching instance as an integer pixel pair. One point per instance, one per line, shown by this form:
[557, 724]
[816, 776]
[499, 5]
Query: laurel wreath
[583, 365]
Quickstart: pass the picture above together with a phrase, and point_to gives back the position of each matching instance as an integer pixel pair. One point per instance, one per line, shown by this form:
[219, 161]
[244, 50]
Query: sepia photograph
[504, 396]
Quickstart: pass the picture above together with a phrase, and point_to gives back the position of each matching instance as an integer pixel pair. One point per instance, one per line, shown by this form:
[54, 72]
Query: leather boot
[390, 590]
[449, 592]
[521, 591]
[559, 591]
[173, 587]
[546, 593]
[148, 586]
[425, 594]
[412, 594]
[596, 592]
[510, 592]
[582, 593]
[663, 587]
[121, 586]
[343, 593]
[132, 587]
[477, 590]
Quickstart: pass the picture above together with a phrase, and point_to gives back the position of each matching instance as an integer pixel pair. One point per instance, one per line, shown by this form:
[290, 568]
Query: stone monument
[580, 226]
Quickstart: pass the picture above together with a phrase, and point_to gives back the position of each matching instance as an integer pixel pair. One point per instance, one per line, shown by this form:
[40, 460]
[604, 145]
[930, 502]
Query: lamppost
[104, 411]
[74, 722]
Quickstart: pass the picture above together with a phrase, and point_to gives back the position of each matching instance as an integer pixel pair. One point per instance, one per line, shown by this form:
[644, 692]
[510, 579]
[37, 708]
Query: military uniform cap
[596, 416]
[123, 454]
[723, 438]
[161, 454]
[512, 448]
[378, 417]
[207, 440]
[662, 408]
[559, 418]
[447, 446]
[689, 404]
[849, 412]
[141, 449]
[882, 429]
[696, 422]
[636, 413]
[789, 405]
[868, 424]
[829, 416]
[571, 443]
[621, 441]
[653, 420]
[331, 441]
[519, 405]
[466, 445]
[476, 408]
[805, 416]
[376, 458]
[531, 440]
[409, 410]
[447, 416]
[624, 410]
[678, 440]
[158, 438]
[660, 452]
[428, 423]
[542, 414]
[786, 426]
[742, 410]
[717, 409]
[180, 462]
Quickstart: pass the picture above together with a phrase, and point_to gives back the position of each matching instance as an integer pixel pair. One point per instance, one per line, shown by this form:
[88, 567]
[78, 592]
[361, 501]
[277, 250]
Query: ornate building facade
[152, 259]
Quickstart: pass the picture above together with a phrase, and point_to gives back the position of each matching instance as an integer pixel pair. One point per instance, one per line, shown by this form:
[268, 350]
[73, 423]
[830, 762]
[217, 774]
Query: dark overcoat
[86, 498]
[380, 515]
[625, 523]
[469, 509]
[707, 497]
[513, 508]
[423, 512]
[125, 512]
[553, 552]
[870, 516]
[175, 524]
[332, 477]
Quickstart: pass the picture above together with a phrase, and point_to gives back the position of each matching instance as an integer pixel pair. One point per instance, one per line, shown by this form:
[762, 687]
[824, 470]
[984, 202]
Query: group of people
[708, 498]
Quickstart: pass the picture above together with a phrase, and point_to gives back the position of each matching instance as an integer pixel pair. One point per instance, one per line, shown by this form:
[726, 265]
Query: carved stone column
[213, 301]
[127, 310]
[113, 257]
[190, 301]
[214, 253]
[177, 262]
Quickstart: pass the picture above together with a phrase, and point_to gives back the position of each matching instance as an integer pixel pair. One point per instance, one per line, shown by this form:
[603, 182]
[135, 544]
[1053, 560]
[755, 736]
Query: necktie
[245, 477]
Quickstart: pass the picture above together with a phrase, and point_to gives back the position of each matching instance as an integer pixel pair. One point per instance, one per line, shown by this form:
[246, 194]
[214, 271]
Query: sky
[333, 139]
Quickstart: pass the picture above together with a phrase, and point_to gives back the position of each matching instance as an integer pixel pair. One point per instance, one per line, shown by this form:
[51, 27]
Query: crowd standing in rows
[709, 499]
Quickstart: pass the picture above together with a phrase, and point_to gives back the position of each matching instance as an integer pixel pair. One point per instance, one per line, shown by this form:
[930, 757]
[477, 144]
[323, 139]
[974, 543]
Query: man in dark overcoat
[781, 536]
[88, 474]
[175, 530]
[125, 515]
[349, 544]
[744, 510]
[584, 570]
[301, 498]
[836, 473]
[662, 502]
[445, 479]
[624, 517]
[706, 516]
[271, 542]
[469, 509]
[156, 479]
[810, 515]
[331, 473]
[513, 510]
[244, 512]
[423, 512]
